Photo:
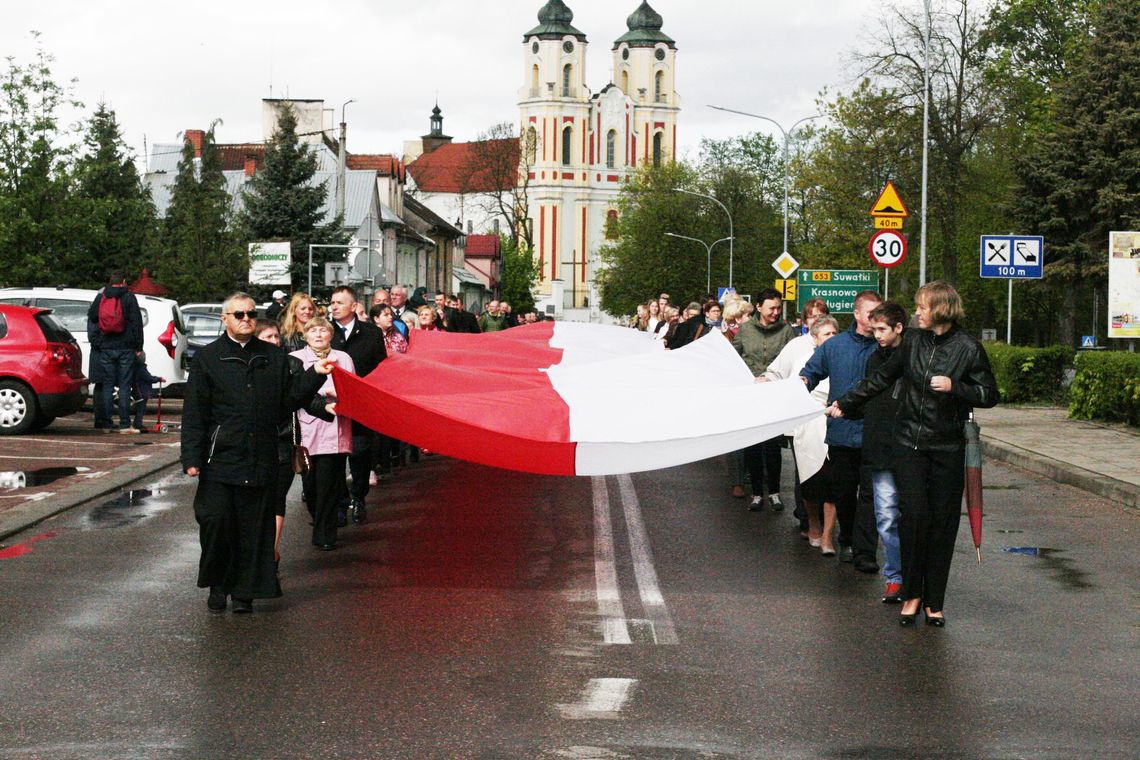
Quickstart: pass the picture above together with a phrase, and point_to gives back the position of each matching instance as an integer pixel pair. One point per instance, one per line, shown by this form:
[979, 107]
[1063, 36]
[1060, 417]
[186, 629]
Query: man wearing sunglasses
[240, 390]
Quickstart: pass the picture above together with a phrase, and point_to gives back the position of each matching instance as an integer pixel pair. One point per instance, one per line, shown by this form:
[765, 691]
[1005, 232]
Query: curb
[1119, 491]
[30, 513]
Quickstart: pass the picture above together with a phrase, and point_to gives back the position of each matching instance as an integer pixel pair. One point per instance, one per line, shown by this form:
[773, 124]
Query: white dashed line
[643, 570]
[603, 699]
[614, 628]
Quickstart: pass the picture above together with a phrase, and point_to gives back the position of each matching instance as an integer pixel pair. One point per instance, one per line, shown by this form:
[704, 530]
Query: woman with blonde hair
[426, 315]
[297, 314]
[943, 374]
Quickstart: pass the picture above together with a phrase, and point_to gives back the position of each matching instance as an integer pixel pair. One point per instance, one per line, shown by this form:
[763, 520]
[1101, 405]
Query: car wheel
[17, 408]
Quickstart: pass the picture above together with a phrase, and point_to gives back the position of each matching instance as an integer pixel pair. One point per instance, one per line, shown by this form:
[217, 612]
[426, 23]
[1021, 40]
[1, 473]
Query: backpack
[111, 319]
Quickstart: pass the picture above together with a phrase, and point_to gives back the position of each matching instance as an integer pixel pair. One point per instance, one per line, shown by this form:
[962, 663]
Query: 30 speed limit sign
[888, 248]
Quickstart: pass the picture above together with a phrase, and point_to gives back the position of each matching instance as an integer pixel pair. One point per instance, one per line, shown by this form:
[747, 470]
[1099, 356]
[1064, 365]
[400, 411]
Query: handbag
[301, 461]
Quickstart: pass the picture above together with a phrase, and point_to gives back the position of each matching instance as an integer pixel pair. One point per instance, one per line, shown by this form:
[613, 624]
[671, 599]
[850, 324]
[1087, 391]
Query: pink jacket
[318, 436]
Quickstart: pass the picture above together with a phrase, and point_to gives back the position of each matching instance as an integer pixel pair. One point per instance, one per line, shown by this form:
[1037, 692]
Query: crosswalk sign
[1088, 341]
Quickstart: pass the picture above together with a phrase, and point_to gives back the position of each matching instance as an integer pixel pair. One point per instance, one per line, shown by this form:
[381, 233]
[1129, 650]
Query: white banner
[1124, 284]
[269, 263]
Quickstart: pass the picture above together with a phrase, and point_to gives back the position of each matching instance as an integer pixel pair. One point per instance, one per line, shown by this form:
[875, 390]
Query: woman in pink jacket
[329, 443]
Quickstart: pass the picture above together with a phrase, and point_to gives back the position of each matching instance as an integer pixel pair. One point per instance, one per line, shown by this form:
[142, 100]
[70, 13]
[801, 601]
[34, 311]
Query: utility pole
[341, 159]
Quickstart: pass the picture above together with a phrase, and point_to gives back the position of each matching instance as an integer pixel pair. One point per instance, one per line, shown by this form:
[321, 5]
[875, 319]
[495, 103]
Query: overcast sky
[168, 66]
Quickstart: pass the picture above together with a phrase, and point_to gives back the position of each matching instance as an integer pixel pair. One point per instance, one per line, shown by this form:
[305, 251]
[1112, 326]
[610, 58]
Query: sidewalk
[1101, 458]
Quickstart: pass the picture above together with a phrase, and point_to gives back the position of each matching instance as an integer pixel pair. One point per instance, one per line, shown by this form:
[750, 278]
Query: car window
[14, 301]
[53, 329]
[3, 326]
[73, 314]
[202, 325]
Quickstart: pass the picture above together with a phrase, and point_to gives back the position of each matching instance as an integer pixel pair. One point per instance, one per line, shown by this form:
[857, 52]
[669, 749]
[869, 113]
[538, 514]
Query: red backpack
[111, 319]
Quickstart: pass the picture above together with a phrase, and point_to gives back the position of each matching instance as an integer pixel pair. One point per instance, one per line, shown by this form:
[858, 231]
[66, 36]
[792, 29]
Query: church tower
[644, 60]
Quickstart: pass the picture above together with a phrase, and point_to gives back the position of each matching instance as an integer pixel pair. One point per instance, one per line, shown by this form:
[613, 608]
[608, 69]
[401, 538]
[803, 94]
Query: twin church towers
[583, 144]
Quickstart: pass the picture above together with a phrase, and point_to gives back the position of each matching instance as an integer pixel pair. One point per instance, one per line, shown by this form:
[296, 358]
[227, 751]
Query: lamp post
[787, 135]
[341, 157]
[731, 235]
[925, 140]
[708, 252]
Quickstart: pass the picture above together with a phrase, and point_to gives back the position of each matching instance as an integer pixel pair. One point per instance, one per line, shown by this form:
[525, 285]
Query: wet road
[484, 614]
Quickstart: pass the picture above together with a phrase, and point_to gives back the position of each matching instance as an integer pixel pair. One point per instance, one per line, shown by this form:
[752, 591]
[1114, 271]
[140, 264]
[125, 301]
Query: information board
[837, 287]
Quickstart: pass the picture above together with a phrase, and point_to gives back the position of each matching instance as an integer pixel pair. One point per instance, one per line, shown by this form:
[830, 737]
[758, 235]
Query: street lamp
[731, 235]
[787, 134]
[708, 251]
[925, 140]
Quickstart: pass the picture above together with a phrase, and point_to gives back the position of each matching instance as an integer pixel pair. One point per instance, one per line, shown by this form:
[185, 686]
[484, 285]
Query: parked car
[40, 370]
[202, 327]
[163, 333]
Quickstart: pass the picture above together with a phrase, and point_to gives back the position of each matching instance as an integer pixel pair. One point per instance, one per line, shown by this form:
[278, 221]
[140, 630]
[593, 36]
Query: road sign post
[1012, 257]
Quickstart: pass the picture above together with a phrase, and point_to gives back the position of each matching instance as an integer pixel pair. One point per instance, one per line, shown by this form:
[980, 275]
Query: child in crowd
[142, 389]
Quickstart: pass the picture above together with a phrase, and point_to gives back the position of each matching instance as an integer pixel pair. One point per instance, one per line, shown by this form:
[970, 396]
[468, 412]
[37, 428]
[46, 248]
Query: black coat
[687, 332]
[132, 336]
[879, 416]
[236, 398]
[927, 419]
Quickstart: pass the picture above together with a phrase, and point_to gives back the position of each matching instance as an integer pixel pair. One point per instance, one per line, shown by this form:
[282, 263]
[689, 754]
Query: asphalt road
[485, 614]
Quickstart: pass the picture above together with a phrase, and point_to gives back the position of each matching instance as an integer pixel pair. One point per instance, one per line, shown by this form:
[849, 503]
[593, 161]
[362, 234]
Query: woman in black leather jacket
[944, 373]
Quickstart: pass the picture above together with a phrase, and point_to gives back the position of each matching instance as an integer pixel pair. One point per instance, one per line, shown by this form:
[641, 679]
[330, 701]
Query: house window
[531, 145]
[658, 85]
[470, 227]
[567, 144]
[566, 73]
[657, 148]
[611, 148]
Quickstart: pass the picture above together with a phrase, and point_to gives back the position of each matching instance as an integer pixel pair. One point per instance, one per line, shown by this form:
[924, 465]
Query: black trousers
[236, 528]
[328, 493]
[930, 487]
[850, 486]
[763, 461]
[360, 463]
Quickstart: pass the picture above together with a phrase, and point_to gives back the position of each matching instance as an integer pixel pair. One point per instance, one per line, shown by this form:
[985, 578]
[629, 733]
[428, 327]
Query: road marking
[602, 699]
[647, 585]
[82, 459]
[614, 628]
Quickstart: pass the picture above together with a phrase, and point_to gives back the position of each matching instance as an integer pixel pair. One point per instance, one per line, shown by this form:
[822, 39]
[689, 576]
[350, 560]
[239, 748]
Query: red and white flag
[563, 398]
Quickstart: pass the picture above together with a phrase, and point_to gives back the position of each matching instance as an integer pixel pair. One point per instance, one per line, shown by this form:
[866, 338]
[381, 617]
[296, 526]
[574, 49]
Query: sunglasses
[240, 315]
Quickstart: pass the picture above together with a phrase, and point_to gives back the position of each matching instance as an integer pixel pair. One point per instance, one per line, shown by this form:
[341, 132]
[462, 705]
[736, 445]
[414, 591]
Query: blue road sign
[722, 292]
[1013, 257]
[1088, 341]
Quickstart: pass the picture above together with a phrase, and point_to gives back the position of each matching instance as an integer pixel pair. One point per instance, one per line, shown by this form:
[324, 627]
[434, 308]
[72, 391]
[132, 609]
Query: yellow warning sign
[888, 223]
[787, 289]
[889, 204]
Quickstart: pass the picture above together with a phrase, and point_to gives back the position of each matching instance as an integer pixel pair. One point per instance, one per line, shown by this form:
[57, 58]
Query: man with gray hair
[237, 396]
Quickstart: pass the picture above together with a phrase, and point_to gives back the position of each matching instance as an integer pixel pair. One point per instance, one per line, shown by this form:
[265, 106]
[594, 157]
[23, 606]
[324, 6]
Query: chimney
[250, 164]
[195, 137]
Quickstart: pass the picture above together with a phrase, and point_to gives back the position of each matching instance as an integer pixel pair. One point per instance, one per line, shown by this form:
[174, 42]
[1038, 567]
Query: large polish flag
[563, 398]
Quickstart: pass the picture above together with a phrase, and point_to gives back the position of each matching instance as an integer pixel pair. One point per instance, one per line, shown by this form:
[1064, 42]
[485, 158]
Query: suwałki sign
[837, 287]
[269, 263]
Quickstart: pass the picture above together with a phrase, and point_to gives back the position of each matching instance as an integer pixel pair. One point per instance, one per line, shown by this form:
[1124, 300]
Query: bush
[1106, 387]
[1029, 374]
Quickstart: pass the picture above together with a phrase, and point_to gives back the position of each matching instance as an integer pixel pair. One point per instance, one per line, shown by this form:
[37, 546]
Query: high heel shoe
[907, 621]
[935, 622]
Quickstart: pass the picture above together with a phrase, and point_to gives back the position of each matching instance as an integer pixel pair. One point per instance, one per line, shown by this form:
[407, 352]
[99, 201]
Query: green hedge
[1029, 374]
[1106, 387]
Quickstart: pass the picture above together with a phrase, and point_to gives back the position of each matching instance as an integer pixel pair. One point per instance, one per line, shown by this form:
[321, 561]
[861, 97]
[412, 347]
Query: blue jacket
[844, 360]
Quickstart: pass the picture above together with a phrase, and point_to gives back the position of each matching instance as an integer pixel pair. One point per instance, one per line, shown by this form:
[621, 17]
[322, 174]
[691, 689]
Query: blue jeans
[887, 522]
[117, 366]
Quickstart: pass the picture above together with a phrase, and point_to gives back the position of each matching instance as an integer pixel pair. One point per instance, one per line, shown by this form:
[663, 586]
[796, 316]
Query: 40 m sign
[888, 248]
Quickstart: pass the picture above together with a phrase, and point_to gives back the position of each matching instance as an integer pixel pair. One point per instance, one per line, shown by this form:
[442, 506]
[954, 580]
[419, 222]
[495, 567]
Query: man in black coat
[115, 347]
[364, 342]
[240, 389]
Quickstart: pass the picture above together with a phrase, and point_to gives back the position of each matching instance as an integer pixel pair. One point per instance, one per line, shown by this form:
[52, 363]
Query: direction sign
[888, 248]
[785, 265]
[1015, 257]
[889, 204]
[787, 289]
[837, 287]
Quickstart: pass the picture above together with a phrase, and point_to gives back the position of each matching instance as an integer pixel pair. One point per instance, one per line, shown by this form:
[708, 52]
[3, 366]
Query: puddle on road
[17, 479]
[1061, 569]
[129, 508]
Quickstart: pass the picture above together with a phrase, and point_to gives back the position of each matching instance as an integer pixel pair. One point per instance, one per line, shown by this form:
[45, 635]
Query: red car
[41, 370]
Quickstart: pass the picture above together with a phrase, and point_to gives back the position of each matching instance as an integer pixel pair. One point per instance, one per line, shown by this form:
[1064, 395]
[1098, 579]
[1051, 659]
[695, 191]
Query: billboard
[269, 263]
[1124, 284]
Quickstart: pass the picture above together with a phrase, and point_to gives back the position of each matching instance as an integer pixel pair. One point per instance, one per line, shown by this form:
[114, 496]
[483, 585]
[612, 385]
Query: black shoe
[757, 504]
[775, 503]
[907, 621]
[864, 565]
[845, 554]
[217, 601]
[359, 512]
[242, 606]
[935, 622]
[341, 518]
[325, 547]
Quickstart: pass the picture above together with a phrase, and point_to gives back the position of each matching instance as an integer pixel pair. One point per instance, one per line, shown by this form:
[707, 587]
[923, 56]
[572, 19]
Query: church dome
[554, 23]
[644, 28]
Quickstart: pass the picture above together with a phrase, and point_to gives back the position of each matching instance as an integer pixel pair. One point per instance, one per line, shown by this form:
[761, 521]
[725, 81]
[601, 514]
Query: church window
[567, 145]
[611, 227]
[534, 80]
[658, 85]
[625, 82]
[657, 149]
[531, 145]
[660, 54]
[566, 74]
[611, 148]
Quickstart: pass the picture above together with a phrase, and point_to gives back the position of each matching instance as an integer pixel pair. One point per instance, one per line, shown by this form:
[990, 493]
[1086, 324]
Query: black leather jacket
[927, 419]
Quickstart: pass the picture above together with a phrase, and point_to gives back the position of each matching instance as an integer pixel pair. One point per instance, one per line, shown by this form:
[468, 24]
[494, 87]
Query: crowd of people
[886, 464]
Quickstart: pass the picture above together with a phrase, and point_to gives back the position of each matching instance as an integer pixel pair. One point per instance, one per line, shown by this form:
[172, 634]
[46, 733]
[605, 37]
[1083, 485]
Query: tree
[202, 259]
[122, 231]
[283, 203]
[497, 174]
[519, 276]
[1083, 177]
[39, 223]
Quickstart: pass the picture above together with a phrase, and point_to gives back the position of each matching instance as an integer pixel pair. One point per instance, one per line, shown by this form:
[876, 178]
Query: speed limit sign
[888, 248]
